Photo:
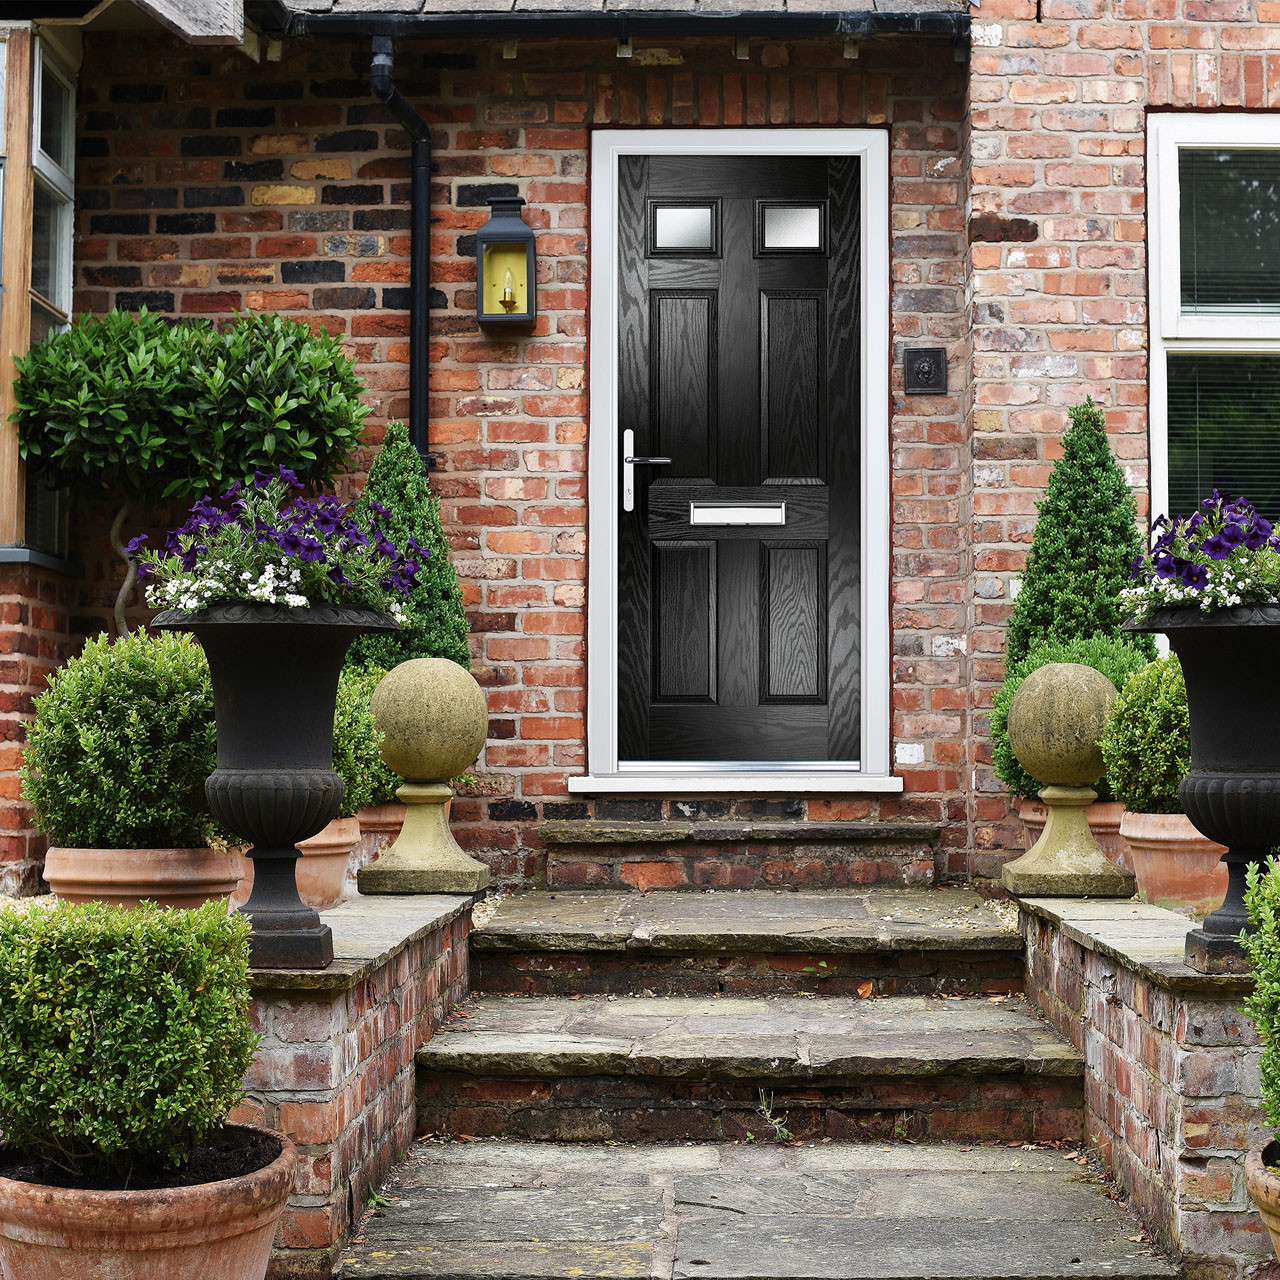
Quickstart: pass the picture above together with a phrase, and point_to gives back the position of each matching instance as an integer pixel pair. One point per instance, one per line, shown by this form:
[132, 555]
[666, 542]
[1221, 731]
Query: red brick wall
[35, 609]
[210, 183]
[1059, 93]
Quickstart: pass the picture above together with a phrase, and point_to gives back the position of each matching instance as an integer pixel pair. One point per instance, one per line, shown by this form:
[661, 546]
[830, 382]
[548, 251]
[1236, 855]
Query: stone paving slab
[749, 920]
[782, 1038]
[503, 1211]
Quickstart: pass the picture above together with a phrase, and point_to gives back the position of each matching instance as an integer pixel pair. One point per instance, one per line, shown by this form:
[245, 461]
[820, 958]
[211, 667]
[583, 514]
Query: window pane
[1230, 230]
[46, 244]
[682, 227]
[1224, 430]
[43, 323]
[792, 226]
[55, 119]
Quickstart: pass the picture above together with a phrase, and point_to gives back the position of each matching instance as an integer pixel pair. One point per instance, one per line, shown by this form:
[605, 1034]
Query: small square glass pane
[46, 244]
[683, 226]
[55, 119]
[1229, 210]
[792, 226]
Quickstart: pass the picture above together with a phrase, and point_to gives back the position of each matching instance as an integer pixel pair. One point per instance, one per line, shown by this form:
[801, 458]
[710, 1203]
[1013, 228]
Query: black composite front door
[738, 397]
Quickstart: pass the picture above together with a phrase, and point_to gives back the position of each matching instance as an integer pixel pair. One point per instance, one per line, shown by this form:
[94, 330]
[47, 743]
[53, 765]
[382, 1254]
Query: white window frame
[1171, 331]
[57, 181]
[606, 774]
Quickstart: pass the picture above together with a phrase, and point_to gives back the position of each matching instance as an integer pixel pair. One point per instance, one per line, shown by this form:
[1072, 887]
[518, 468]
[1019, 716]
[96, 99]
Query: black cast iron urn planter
[1231, 663]
[275, 681]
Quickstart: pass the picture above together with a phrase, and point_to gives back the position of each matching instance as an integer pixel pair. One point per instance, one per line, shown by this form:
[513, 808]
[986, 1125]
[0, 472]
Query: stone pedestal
[1066, 860]
[425, 858]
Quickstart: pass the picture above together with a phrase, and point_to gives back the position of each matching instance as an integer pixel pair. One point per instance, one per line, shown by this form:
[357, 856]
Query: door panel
[738, 361]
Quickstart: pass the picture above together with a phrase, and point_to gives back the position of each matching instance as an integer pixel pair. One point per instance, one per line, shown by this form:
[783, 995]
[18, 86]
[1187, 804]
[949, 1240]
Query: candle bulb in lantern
[509, 292]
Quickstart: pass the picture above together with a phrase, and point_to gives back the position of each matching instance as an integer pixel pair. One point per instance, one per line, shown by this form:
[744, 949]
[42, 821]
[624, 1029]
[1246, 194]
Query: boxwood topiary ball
[1056, 722]
[433, 719]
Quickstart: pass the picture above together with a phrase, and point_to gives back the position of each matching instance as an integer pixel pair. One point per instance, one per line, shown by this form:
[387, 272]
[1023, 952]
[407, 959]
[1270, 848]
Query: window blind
[1224, 430]
[1229, 214]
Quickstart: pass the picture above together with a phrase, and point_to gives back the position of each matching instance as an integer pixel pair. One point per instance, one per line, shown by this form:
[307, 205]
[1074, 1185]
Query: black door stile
[739, 361]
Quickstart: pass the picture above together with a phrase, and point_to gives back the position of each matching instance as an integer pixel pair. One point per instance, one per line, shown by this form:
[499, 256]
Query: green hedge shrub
[121, 745]
[1147, 745]
[1262, 951]
[356, 740]
[437, 625]
[124, 1032]
[1086, 538]
[1115, 659]
[137, 406]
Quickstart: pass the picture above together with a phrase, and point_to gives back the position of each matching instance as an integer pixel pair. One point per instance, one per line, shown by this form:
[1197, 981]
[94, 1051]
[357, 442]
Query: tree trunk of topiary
[131, 566]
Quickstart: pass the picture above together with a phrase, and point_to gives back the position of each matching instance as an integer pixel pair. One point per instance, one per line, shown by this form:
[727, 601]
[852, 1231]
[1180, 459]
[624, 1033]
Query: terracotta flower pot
[322, 869]
[221, 1229]
[1176, 866]
[1104, 821]
[171, 877]
[1263, 1187]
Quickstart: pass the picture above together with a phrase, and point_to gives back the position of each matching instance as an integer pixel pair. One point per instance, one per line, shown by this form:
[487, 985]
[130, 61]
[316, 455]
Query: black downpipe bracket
[419, 237]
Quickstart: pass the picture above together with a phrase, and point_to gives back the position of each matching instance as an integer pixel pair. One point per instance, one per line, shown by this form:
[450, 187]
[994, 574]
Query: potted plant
[1147, 749]
[124, 1038]
[275, 586]
[149, 411]
[114, 767]
[1211, 583]
[398, 494]
[1262, 951]
[1116, 659]
[324, 869]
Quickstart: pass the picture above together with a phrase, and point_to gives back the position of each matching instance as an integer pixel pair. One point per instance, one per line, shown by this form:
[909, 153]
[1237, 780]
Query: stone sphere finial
[1056, 721]
[433, 719]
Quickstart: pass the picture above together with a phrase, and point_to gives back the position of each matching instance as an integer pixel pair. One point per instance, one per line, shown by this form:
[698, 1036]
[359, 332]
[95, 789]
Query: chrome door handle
[629, 464]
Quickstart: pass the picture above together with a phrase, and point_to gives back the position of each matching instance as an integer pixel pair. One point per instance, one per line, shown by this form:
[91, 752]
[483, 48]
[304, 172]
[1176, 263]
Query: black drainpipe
[419, 237]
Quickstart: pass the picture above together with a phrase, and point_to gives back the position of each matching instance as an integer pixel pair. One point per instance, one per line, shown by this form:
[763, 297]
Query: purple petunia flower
[134, 545]
[1195, 576]
[311, 551]
[1217, 547]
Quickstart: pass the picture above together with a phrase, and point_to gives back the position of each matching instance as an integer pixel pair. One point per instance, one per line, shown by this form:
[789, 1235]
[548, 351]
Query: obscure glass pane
[43, 323]
[46, 244]
[792, 226]
[1224, 430]
[55, 119]
[683, 227]
[1230, 230]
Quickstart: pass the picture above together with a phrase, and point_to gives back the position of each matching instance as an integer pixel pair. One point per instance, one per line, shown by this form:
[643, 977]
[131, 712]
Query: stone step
[714, 853]
[747, 942]
[633, 1068]
[503, 1211]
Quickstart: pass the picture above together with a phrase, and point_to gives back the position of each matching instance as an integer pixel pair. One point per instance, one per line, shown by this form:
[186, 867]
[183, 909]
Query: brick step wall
[744, 973]
[635, 1069]
[740, 855]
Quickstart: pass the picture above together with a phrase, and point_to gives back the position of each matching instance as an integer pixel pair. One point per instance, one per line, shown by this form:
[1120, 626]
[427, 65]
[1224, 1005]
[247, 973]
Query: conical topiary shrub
[1082, 552]
[437, 625]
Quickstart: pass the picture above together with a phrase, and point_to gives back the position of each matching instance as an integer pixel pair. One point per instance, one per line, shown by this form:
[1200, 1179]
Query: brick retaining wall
[335, 1068]
[1172, 1092]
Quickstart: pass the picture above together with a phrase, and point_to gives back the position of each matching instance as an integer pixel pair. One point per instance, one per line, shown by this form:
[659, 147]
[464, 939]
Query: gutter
[384, 88]
[620, 23]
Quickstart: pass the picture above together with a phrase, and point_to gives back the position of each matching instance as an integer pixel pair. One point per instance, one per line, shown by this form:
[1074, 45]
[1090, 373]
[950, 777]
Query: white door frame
[605, 772]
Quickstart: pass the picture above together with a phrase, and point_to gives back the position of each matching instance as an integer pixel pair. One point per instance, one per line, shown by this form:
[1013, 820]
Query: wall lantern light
[506, 269]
